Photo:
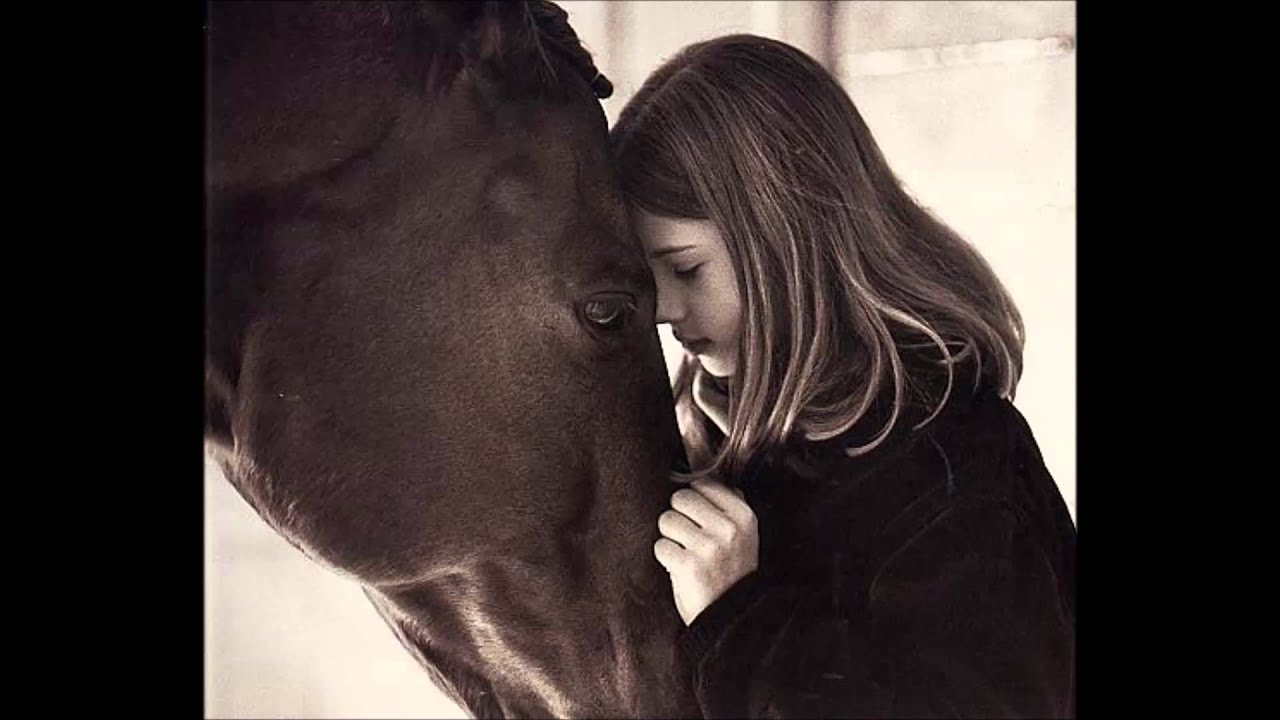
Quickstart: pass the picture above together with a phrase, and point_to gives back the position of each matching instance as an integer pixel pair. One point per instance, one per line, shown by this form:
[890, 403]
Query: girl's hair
[850, 289]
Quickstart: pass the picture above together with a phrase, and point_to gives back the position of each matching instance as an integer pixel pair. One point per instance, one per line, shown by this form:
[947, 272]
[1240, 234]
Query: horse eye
[609, 311]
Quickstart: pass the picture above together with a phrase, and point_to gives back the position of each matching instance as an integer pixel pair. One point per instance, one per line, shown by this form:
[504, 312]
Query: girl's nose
[670, 308]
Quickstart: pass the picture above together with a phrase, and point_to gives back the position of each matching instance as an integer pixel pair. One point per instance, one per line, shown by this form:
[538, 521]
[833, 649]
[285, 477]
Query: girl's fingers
[693, 505]
[727, 501]
[681, 529]
[670, 555]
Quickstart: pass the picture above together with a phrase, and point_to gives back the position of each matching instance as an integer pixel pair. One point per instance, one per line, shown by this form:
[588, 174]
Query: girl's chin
[715, 367]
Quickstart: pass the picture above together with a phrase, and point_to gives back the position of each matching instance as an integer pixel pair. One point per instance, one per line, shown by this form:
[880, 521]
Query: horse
[431, 361]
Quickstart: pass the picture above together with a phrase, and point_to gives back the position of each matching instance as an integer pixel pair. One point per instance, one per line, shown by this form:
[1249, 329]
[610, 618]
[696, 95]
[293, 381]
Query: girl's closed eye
[688, 272]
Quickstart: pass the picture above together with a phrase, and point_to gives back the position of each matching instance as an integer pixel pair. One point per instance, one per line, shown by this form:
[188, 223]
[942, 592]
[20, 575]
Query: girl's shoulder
[978, 450]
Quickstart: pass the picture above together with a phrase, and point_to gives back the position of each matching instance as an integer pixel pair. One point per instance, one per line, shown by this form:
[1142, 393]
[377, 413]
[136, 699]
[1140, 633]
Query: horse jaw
[484, 634]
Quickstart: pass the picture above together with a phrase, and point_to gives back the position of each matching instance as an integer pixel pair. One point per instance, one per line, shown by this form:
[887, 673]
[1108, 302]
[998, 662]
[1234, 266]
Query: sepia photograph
[640, 359]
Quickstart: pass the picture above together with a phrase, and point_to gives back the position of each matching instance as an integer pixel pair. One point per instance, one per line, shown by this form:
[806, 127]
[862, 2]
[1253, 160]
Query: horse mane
[523, 46]
[549, 34]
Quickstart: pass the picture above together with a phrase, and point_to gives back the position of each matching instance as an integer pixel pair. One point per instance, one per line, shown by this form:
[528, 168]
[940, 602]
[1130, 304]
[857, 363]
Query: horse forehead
[555, 172]
[560, 134]
[510, 193]
[529, 174]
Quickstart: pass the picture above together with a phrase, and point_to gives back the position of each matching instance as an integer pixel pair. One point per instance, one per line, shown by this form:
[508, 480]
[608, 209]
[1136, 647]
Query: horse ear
[465, 33]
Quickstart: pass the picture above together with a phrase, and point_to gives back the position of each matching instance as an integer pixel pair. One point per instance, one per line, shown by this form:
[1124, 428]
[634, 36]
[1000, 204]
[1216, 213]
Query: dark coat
[933, 577]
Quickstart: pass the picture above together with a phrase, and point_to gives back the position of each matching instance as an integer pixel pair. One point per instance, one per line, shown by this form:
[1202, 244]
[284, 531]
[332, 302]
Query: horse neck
[503, 646]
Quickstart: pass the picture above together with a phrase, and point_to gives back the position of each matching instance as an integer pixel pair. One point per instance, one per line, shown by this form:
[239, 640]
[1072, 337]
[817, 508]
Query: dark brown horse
[431, 358]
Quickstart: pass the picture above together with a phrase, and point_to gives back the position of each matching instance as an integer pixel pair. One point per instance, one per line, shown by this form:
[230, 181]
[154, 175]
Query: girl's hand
[709, 542]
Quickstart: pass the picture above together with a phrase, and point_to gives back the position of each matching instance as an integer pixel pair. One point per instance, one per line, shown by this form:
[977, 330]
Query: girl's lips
[697, 347]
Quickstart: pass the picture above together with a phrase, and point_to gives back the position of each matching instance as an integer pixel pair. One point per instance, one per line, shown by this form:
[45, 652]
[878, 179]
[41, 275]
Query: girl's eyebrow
[669, 251]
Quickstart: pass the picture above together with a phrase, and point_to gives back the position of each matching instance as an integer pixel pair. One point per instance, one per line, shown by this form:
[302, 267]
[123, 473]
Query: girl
[870, 530]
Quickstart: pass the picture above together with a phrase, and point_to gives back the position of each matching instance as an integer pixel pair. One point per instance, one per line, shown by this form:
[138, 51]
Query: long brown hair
[850, 287]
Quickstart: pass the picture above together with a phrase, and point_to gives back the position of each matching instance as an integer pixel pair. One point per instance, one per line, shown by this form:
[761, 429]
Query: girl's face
[697, 287]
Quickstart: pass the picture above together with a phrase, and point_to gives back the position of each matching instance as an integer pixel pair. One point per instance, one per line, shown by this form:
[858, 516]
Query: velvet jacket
[932, 577]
